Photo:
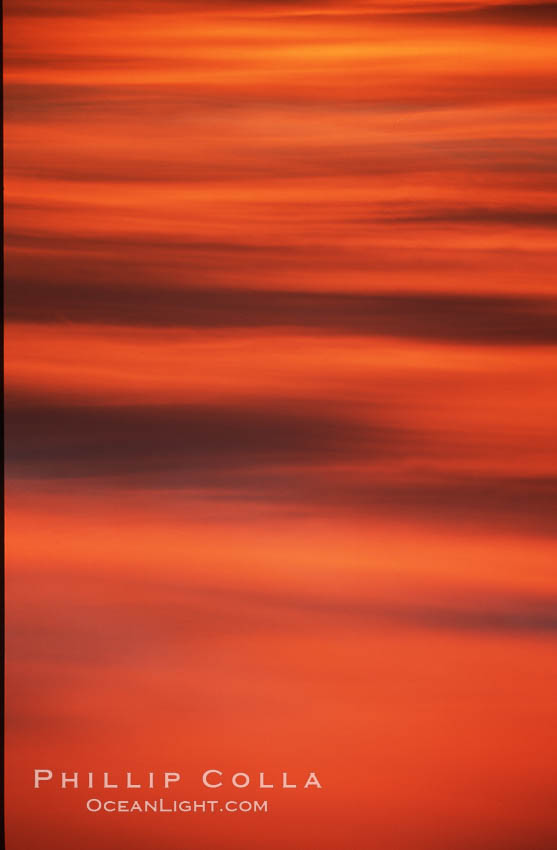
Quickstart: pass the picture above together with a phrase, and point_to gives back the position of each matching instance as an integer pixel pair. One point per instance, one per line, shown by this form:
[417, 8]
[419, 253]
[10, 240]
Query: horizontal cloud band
[503, 320]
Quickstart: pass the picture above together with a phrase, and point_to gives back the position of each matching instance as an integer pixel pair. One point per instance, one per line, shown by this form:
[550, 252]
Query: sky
[280, 379]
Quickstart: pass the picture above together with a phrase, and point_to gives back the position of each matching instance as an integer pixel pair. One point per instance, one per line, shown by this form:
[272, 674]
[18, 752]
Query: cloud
[174, 619]
[521, 503]
[188, 445]
[483, 215]
[117, 8]
[273, 451]
[496, 13]
[458, 318]
[507, 14]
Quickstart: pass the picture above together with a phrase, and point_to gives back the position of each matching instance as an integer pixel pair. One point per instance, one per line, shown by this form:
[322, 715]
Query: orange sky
[280, 371]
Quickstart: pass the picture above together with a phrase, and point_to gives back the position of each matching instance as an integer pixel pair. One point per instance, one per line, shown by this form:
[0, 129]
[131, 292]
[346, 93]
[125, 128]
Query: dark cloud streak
[502, 14]
[181, 618]
[274, 452]
[459, 318]
[500, 503]
[191, 444]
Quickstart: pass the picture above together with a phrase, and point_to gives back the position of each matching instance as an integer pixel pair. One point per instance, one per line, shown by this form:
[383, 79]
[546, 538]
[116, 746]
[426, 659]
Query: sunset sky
[280, 377]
